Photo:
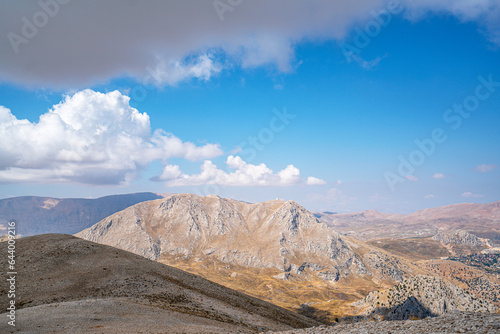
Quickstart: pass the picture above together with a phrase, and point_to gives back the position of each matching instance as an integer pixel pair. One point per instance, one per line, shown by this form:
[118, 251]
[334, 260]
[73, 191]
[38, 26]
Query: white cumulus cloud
[89, 137]
[314, 181]
[241, 174]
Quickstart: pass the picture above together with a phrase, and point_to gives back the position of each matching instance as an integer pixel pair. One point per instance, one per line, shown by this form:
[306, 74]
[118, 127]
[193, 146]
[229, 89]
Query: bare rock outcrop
[459, 237]
[421, 296]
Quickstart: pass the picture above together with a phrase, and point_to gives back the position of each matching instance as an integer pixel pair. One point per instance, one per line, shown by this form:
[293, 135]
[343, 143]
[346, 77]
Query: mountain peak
[274, 234]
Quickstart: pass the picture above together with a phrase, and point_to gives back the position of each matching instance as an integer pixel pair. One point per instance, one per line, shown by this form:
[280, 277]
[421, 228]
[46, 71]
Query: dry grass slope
[61, 275]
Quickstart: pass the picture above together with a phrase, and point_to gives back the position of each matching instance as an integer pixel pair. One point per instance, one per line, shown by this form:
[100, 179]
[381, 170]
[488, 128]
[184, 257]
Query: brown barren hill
[66, 284]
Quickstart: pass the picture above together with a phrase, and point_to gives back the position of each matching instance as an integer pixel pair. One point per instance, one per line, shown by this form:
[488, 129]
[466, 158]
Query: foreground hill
[68, 284]
[275, 250]
[37, 215]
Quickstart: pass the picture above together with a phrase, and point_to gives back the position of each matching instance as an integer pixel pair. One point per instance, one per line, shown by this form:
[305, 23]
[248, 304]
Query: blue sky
[266, 101]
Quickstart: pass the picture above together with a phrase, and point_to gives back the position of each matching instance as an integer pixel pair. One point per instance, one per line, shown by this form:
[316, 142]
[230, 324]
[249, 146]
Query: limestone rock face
[275, 234]
[421, 296]
[459, 238]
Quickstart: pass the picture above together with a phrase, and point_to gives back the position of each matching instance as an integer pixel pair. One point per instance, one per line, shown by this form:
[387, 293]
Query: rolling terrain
[67, 284]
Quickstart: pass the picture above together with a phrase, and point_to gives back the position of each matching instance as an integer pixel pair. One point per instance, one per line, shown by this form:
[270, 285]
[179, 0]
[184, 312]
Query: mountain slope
[100, 287]
[37, 215]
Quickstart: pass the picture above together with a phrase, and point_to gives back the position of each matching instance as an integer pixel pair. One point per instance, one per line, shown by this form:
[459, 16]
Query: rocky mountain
[275, 250]
[420, 296]
[37, 215]
[275, 234]
[66, 284]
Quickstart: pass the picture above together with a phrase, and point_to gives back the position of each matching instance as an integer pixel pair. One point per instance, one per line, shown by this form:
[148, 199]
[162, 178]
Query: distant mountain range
[481, 220]
[37, 215]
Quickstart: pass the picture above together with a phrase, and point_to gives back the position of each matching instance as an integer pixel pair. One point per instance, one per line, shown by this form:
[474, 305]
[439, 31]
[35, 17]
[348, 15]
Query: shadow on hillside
[410, 309]
[314, 313]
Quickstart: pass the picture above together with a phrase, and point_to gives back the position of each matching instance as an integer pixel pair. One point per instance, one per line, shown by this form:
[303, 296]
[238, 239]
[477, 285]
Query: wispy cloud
[171, 72]
[438, 176]
[468, 194]
[484, 168]
[411, 178]
[367, 64]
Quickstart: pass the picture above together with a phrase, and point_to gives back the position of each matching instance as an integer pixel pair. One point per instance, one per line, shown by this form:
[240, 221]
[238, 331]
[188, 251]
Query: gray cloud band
[74, 44]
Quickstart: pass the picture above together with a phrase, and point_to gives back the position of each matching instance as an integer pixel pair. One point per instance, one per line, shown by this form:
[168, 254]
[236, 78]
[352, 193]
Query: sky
[343, 107]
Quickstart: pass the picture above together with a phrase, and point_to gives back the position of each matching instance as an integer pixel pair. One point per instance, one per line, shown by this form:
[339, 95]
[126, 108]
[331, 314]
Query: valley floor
[451, 323]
